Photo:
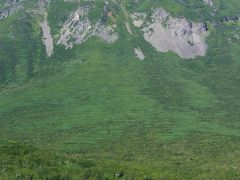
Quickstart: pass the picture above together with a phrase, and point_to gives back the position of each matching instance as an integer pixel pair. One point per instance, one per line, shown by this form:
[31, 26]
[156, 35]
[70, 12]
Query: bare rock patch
[78, 28]
[47, 37]
[10, 7]
[139, 54]
[138, 19]
[208, 2]
[183, 37]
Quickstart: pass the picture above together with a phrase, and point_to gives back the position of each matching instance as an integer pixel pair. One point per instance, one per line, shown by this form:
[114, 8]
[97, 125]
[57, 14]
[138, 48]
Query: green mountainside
[87, 93]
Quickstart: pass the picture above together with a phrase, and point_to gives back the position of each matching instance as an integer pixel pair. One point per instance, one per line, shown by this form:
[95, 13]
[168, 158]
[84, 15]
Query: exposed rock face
[12, 2]
[128, 28]
[46, 30]
[185, 38]
[163, 31]
[78, 28]
[106, 33]
[235, 18]
[208, 2]
[236, 36]
[10, 7]
[139, 54]
[42, 5]
[138, 19]
[47, 37]
[74, 1]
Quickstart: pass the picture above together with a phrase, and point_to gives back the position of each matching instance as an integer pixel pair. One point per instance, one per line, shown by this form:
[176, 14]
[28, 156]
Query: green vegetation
[94, 111]
[58, 13]
[21, 49]
[1, 4]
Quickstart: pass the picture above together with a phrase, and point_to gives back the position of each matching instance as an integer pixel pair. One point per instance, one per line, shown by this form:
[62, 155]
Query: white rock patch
[10, 7]
[47, 37]
[78, 28]
[128, 28]
[139, 54]
[138, 19]
[185, 38]
[106, 33]
[46, 30]
[208, 2]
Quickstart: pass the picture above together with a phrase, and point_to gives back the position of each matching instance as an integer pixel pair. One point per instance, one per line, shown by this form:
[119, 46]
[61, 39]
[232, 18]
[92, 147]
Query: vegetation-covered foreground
[97, 112]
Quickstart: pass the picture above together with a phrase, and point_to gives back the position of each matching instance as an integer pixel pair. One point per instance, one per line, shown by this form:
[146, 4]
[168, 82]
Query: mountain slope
[93, 110]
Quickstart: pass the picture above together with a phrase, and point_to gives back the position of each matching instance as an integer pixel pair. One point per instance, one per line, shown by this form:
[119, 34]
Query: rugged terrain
[130, 89]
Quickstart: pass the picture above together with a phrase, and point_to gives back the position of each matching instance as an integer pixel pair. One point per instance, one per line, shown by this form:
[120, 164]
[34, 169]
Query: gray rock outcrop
[78, 28]
[183, 37]
[10, 7]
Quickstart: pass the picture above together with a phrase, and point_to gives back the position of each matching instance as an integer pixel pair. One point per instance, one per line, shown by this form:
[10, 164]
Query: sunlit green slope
[96, 111]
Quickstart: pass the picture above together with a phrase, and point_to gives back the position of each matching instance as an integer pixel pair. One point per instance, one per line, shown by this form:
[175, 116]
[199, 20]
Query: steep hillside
[132, 89]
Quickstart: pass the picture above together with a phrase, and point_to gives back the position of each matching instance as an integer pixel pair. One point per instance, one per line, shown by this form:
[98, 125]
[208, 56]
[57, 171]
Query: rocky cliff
[10, 7]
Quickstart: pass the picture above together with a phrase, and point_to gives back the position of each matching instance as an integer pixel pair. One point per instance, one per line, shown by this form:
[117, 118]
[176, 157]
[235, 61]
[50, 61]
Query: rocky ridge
[78, 28]
[163, 31]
